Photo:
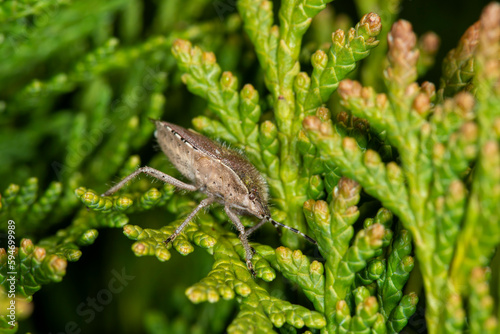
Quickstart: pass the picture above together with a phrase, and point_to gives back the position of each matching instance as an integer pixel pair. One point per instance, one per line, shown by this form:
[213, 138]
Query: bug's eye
[251, 196]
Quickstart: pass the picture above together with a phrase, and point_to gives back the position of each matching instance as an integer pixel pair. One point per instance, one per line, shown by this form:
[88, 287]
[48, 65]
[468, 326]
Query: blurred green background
[42, 39]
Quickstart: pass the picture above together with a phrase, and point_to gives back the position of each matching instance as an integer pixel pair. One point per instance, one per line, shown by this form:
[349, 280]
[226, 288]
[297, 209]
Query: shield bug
[223, 174]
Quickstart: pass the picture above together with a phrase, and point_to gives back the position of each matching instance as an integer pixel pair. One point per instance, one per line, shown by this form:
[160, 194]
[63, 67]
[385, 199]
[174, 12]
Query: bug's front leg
[154, 173]
[255, 227]
[243, 238]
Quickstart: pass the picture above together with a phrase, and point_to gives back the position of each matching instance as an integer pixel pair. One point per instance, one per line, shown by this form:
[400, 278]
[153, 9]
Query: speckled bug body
[214, 169]
[224, 175]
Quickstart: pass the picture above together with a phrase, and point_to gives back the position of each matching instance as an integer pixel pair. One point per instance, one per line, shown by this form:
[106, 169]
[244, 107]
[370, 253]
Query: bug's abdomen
[217, 179]
[195, 157]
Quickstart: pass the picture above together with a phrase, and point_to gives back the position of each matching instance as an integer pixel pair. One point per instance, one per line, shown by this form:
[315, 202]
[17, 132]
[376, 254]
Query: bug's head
[254, 204]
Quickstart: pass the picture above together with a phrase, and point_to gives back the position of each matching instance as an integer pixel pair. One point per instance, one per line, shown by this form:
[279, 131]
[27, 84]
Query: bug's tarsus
[250, 267]
[294, 230]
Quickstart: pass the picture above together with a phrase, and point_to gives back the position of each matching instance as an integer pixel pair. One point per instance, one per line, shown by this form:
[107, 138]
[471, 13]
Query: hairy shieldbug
[224, 175]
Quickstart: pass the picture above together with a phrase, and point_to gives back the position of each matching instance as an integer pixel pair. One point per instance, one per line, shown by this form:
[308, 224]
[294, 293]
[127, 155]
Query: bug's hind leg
[243, 238]
[154, 173]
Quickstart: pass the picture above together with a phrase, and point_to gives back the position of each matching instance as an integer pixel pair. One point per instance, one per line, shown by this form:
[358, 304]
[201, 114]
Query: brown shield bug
[223, 174]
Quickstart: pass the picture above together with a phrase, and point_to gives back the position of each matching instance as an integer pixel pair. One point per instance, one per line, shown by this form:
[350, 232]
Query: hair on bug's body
[216, 170]
[223, 174]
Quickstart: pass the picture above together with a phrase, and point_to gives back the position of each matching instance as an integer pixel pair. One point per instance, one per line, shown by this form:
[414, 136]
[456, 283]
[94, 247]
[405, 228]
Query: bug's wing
[198, 141]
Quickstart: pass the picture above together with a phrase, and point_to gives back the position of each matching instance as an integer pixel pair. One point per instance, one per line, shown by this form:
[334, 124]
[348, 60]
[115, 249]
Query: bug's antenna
[294, 230]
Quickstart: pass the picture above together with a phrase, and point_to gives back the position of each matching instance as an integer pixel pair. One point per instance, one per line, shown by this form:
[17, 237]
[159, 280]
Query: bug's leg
[207, 201]
[255, 227]
[253, 250]
[243, 238]
[262, 222]
[154, 173]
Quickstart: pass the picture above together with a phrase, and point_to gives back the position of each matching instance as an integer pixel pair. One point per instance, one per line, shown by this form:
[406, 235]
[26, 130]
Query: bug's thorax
[217, 171]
